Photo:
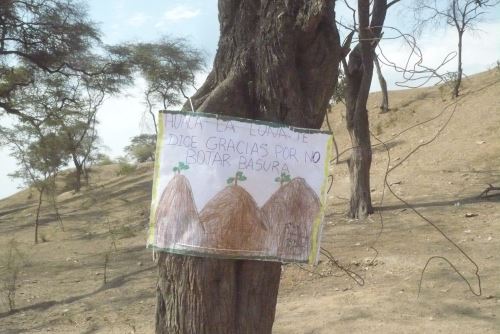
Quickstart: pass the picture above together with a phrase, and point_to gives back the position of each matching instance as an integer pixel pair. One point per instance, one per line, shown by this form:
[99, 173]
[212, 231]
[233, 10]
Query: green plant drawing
[238, 177]
[283, 178]
[180, 167]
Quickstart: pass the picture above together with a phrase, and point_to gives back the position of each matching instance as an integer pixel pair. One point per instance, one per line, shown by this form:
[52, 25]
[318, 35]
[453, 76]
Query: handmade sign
[238, 188]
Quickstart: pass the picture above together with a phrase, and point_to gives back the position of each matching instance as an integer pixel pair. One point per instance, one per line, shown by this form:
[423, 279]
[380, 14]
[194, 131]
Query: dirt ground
[59, 287]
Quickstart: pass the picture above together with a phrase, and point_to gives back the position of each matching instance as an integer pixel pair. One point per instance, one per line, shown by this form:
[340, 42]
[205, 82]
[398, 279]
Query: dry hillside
[59, 286]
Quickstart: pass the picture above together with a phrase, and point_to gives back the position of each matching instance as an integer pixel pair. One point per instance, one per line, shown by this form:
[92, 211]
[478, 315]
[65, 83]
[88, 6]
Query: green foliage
[180, 167]
[168, 67]
[11, 77]
[54, 74]
[142, 148]
[124, 167]
[54, 36]
[39, 156]
[284, 177]
[49, 32]
[238, 177]
[102, 159]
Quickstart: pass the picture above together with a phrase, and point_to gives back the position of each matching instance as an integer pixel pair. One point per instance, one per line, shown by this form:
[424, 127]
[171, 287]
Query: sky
[121, 117]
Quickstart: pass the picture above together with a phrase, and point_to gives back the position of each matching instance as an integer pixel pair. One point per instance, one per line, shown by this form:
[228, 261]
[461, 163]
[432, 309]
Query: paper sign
[238, 188]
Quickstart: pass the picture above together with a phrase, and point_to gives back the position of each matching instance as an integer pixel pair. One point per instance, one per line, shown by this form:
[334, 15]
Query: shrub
[142, 148]
[124, 167]
[102, 159]
[12, 264]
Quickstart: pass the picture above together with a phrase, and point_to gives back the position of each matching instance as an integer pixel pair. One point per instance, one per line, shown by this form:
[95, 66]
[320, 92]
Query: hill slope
[60, 284]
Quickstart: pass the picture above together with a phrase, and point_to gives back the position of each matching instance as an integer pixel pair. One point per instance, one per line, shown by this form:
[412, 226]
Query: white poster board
[238, 188]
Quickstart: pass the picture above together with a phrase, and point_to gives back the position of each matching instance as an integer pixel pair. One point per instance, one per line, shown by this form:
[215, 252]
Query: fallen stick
[484, 194]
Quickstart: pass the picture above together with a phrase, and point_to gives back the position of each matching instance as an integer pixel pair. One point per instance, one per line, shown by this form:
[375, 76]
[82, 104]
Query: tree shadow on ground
[493, 198]
[375, 148]
[112, 284]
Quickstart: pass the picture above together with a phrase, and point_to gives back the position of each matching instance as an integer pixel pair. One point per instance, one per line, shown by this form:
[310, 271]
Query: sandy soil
[60, 287]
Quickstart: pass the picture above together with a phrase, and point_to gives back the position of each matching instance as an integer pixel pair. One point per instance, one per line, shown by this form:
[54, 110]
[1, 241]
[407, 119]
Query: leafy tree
[51, 35]
[168, 66]
[40, 159]
[463, 15]
[76, 118]
[142, 148]
[68, 105]
[52, 73]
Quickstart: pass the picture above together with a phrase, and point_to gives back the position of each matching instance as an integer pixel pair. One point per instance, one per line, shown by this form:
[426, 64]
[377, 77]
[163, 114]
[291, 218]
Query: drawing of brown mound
[176, 216]
[290, 213]
[232, 221]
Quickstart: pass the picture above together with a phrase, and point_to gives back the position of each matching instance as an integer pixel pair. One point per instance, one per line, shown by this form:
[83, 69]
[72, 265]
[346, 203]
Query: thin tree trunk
[333, 138]
[458, 82]
[360, 160]
[151, 113]
[40, 199]
[86, 172]
[58, 216]
[53, 200]
[384, 106]
[276, 61]
[78, 176]
[358, 74]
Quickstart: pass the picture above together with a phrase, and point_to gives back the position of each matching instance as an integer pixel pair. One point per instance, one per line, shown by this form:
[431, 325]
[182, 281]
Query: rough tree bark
[276, 61]
[358, 74]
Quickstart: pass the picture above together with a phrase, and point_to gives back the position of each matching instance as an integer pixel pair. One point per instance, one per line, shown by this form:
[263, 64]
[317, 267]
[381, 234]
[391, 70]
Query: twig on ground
[485, 193]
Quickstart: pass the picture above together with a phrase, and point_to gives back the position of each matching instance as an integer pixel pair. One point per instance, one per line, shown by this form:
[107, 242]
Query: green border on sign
[156, 177]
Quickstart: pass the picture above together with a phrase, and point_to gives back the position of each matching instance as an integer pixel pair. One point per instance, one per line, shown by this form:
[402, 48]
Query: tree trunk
[78, 175]
[458, 81]
[200, 295]
[358, 75]
[359, 163]
[276, 61]
[53, 200]
[384, 106]
[40, 198]
[151, 112]
[86, 173]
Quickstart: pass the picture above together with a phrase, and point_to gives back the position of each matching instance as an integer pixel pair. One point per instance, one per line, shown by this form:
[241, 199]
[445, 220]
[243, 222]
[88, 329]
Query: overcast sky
[196, 20]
